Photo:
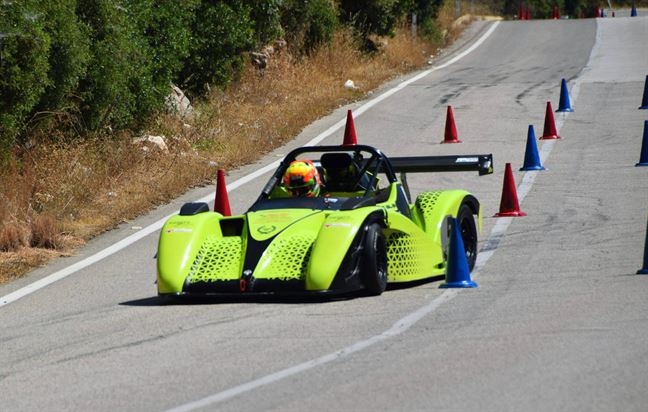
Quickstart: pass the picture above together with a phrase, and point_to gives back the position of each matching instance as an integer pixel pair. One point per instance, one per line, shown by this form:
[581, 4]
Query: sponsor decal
[179, 223]
[466, 160]
[340, 224]
[179, 230]
[276, 217]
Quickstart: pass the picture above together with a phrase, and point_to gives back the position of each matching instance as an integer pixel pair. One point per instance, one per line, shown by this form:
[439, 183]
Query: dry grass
[57, 195]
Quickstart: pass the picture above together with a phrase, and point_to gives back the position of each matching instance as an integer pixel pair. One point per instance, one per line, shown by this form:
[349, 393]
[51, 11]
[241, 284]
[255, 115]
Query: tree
[308, 23]
[24, 49]
[221, 32]
[372, 17]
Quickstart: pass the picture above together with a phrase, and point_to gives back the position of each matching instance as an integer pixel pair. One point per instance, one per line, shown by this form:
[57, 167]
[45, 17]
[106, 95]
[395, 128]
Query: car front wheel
[374, 260]
[468, 229]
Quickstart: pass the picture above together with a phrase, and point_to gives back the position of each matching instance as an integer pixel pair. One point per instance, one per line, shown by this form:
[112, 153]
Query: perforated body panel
[219, 258]
[286, 258]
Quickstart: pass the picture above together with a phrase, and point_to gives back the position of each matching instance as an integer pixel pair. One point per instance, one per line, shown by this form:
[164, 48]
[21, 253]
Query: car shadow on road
[407, 285]
[216, 300]
[285, 299]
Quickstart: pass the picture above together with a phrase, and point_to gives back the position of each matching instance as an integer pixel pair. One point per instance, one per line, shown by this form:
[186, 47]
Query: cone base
[566, 109]
[643, 107]
[510, 214]
[459, 284]
[549, 137]
[642, 164]
[531, 168]
[452, 141]
[642, 271]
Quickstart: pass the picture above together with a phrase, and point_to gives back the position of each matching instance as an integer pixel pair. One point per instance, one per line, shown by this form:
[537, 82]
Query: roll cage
[369, 179]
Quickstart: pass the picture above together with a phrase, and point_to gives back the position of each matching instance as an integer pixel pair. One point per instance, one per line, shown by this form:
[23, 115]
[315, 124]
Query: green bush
[68, 57]
[119, 89]
[308, 24]
[426, 12]
[373, 17]
[266, 18]
[221, 32]
[169, 37]
[24, 47]
[582, 8]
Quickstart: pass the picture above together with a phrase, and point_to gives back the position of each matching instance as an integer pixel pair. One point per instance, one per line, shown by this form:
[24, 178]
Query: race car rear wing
[482, 163]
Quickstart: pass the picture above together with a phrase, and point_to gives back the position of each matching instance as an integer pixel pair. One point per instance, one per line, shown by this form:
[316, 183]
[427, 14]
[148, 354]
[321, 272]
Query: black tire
[468, 229]
[373, 265]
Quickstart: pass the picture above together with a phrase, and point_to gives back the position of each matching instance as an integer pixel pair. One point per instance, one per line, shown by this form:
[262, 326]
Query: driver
[302, 179]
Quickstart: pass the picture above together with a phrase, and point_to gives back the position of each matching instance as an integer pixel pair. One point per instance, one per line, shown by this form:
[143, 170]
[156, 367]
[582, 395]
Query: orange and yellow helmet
[302, 179]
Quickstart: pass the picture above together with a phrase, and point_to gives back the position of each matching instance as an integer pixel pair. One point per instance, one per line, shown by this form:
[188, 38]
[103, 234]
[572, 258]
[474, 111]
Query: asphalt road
[559, 320]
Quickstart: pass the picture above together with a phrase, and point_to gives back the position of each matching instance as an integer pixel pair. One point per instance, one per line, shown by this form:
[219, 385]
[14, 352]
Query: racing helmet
[302, 179]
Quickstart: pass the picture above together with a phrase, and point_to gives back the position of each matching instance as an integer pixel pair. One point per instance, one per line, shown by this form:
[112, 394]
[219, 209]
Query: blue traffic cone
[564, 105]
[643, 158]
[644, 269]
[633, 11]
[457, 270]
[644, 101]
[531, 156]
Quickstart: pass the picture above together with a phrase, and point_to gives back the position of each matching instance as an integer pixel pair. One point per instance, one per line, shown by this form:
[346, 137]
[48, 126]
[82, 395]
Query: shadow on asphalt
[296, 299]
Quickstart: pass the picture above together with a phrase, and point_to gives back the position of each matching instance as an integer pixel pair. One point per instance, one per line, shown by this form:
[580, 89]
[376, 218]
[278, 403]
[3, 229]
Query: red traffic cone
[450, 135]
[221, 203]
[349, 131]
[509, 205]
[550, 131]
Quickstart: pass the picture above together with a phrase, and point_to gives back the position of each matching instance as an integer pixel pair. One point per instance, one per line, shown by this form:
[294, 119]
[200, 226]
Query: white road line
[399, 327]
[124, 243]
[405, 323]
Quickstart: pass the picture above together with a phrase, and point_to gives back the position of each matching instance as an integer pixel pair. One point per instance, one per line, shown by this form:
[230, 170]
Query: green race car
[354, 230]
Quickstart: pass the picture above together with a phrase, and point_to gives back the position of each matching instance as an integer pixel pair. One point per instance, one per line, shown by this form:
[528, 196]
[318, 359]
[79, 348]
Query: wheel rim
[469, 238]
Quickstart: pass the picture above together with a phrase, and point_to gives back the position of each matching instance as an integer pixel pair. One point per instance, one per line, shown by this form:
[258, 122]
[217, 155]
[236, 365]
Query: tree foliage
[426, 11]
[266, 20]
[372, 17]
[308, 23]
[89, 65]
[24, 65]
[118, 88]
[381, 17]
[221, 32]
[68, 56]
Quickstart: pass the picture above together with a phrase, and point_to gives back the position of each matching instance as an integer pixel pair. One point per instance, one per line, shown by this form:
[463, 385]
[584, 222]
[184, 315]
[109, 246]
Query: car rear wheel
[374, 261]
[468, 229]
